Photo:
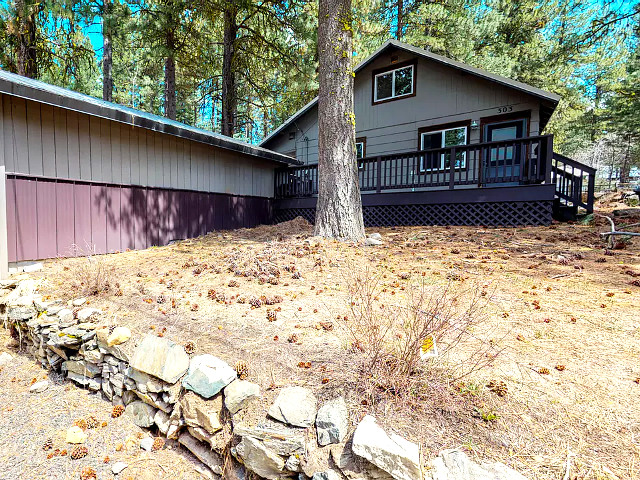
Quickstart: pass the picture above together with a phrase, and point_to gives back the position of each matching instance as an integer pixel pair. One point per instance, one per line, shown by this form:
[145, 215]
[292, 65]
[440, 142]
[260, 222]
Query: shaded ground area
[561, 309]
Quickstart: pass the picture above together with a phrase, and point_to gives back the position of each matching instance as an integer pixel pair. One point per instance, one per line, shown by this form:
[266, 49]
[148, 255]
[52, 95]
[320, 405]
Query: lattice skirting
[490, 213]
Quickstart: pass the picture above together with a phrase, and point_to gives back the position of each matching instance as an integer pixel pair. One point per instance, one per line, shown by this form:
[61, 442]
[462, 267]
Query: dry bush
[92, 274]
[390, 332]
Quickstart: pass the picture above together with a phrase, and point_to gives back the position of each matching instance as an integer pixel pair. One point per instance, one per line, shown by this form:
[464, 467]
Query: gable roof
[552, 98]
[27, 88]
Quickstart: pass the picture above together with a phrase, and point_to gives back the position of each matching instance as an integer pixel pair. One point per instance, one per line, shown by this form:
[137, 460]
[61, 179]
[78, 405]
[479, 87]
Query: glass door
[503, 161]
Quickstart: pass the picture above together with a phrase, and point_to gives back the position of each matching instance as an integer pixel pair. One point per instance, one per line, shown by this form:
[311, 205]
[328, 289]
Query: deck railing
[574, 181]
[520, 161]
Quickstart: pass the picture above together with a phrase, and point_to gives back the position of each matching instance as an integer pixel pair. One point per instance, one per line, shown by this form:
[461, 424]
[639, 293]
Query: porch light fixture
[474, 125]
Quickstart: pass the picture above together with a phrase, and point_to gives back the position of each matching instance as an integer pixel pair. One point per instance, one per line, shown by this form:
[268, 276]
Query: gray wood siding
[443, 95]
[43, 140]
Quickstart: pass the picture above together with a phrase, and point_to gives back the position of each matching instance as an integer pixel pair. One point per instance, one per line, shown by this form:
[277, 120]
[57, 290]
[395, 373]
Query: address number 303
[505, 109]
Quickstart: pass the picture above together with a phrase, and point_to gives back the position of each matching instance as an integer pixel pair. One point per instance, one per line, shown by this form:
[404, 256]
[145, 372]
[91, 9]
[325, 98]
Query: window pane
[456, 136]
[404, 81]
[359, 150]
[431, 140]
[383, 86]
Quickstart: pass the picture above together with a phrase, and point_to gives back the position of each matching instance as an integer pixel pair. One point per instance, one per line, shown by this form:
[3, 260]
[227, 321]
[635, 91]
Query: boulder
[455, 465]
[198, 412]
[332, 422]
[76, 435]
[142, 414]
[203, 452]
[259, 459]
[161, 358]
[239, 393]
[391, 453]
[208, 375]
[118, 336]
[296, 406]
[372, 242]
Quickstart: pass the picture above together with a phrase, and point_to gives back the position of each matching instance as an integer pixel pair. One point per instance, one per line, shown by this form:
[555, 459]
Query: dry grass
[552, 298]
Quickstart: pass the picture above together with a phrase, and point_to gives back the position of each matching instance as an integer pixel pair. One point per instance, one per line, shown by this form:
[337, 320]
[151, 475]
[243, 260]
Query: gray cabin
[415, 111]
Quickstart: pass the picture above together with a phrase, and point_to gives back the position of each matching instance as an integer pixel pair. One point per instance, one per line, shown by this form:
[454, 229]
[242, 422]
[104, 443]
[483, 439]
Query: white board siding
[50, 141]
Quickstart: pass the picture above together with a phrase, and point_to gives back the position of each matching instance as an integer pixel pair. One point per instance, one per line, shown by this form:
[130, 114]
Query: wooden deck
[512, 182]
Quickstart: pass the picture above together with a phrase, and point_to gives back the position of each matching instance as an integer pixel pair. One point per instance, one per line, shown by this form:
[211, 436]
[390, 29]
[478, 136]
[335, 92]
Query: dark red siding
[48, 218]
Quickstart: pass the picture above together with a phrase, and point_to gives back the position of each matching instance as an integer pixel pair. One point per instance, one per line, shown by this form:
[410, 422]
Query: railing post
[452, 167]
[378, 174]
[548, 157]
[591, 187]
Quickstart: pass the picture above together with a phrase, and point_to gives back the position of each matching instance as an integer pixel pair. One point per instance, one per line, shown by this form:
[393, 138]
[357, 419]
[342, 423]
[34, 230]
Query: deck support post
[452, 167]
[378, 174]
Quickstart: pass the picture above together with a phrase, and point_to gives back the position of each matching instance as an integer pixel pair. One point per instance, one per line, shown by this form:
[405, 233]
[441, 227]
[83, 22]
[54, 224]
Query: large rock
[142, 414]
[118, 336]
[332, 422]
[391, 453]
[239, 393]
[296, 406]
[203, 452]
[455, 465]
[208, 375]
[198, 412]
[82, 368]
[259, 459]
[283, 440]
[161, 358]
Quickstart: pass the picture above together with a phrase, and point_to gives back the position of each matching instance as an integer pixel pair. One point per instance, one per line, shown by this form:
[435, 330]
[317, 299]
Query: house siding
[443, 95]
[77, 183]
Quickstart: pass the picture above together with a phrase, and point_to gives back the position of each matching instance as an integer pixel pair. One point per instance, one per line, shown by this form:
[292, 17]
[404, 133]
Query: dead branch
[609, 235]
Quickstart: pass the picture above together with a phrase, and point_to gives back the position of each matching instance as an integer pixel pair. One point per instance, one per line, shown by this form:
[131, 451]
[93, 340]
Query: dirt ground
[562, 310]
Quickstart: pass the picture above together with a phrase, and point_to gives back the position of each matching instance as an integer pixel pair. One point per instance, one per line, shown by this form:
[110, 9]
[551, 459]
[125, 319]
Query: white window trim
[393, 83]
[359, 143]
[463, 163]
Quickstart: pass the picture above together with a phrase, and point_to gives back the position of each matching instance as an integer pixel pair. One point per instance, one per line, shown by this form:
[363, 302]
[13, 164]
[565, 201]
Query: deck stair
[575, 183]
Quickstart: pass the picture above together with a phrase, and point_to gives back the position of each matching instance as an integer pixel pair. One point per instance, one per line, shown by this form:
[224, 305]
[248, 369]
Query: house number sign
[505, 109]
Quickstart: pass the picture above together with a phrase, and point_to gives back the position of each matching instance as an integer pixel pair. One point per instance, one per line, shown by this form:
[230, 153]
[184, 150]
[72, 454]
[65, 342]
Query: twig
[609, 235]
[567, 472]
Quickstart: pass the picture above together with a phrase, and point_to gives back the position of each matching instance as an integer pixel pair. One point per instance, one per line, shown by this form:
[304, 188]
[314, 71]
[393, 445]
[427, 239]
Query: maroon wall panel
[114, 222]
[65, 223]
[26, 219]
[82, 216]
[99, 218]
[127, 230]
[140, 218]
[12, 236]
[46, 217]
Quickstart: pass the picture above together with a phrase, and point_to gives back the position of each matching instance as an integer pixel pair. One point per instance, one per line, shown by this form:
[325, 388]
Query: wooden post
[378, 174]
[452, 167]
[591, 186]
[4, 252]
[547, 159]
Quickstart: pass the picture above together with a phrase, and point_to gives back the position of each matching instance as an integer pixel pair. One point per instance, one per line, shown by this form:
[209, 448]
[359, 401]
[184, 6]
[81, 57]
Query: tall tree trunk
[27, 58]
[339, 208]
[229, 93]
[400, 19]
[170, 88]
[107, 53]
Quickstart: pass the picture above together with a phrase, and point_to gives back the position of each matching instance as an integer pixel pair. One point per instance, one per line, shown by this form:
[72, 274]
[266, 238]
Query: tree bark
[170, 88]
[27, 58]
[107, 53]
[400, 19]
[229, 88]
[339, 208]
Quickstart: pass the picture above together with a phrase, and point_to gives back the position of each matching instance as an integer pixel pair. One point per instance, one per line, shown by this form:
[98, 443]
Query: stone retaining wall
[198, 399]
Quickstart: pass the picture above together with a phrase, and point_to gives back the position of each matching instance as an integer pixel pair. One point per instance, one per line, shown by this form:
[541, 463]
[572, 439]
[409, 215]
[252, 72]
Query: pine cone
[88, 473]
[48, 445]
[242, 369]
[82, 423]
[158, 443]
[92, 422]
[190, 348]
[79, 452]
[117, 411]
[272, 316]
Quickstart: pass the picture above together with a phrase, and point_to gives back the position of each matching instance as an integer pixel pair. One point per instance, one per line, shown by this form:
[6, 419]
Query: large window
[393, 84]
[446, 137]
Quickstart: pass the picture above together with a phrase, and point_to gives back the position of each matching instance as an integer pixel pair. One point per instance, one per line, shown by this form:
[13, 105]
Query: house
[439, 142]
[79, 174]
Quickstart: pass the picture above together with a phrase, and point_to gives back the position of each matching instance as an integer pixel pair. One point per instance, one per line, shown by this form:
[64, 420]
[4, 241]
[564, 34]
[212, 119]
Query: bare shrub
[92, 274]
[392, 331]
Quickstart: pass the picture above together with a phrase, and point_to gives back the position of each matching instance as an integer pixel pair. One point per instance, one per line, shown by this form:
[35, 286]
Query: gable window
[392, 84]
[442, 138]
[361, 147]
